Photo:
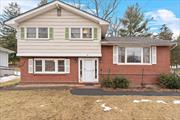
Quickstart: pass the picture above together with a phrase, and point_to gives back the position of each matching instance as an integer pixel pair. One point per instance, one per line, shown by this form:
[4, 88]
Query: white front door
[88, 70]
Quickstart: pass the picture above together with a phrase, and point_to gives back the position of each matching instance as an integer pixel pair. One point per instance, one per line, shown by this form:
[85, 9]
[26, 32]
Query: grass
[61, 105]
[9, 83]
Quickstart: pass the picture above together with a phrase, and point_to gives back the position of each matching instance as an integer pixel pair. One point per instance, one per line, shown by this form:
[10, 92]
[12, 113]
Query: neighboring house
[58, 43]
[4, 57]
[4, 61]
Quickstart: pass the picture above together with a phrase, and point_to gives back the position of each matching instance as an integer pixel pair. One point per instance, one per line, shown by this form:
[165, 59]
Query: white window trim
[49, 72]
[37, 32]
[126, 63]
[81, 33]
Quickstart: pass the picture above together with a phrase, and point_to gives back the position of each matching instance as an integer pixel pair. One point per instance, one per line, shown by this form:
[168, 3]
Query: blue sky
[163, 11]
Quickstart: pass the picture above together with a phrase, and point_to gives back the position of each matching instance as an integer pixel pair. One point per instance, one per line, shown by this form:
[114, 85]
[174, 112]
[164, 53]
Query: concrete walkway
[97, 92]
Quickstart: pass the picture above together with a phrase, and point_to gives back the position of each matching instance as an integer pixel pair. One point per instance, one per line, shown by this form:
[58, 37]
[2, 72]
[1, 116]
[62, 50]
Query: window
[35, 33]
[50, 66]
[61, 66]
[75, 33]
[31, 32]
[146, 55]
[38, 65]
[134, 55]
[84, 32]
[87, 32]
[121, 55]
[43, 32]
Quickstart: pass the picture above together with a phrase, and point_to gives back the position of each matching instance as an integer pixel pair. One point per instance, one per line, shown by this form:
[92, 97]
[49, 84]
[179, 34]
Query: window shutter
[66, 33]
[30, 65]
[95, 33]
[51, 33]
[67, 65]
[22, 32]
[154, 55]
[115, 54]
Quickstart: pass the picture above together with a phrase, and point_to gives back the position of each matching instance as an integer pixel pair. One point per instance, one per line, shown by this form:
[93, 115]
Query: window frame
[37, 33]
[81, 33]
[128, 63]
[49, 72]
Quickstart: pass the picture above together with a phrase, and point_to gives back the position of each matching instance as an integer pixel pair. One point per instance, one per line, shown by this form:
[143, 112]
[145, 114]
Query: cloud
[164, 16]
[24, 4]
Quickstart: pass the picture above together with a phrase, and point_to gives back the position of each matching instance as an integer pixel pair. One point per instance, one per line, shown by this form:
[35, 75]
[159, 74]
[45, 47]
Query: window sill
[80, 39]
[37, 39]
[134, 64]
[50, 73]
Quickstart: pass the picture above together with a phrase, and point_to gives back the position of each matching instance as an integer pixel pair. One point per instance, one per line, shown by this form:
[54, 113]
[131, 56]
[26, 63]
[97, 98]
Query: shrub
[117, 82]
[120, 82]
[169, 81]
[107, 83]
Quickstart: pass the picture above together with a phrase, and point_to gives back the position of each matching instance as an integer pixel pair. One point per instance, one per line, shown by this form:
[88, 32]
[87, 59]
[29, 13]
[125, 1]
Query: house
[4, 61]
[59, 43]
[4, 56]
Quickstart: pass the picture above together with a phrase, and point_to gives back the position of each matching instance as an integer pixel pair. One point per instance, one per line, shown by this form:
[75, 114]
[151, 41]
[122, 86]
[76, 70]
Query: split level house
[58, 43]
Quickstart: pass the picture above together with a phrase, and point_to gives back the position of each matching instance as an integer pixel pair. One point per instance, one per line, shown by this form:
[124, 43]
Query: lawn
[61, 105]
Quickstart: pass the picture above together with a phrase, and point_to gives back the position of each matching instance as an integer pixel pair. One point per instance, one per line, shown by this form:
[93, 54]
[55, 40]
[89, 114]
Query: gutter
[174, 46]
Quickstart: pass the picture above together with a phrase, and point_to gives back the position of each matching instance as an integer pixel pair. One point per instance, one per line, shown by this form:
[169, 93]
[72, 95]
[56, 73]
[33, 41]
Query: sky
[162, 11]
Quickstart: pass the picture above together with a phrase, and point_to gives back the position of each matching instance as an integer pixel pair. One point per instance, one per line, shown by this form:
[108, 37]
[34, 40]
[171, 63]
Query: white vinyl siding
[3, 59]
[59, 46]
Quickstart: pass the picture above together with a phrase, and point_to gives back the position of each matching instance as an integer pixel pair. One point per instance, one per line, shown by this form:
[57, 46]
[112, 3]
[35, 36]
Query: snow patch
[8, 78]
[105, 108]
[98, 101]
[161, 101]
[145, 100]
[176, 101]
[136, 101]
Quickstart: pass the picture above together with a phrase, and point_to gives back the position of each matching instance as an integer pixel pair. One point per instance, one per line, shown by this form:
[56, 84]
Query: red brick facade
[131, 72]
[134, 72]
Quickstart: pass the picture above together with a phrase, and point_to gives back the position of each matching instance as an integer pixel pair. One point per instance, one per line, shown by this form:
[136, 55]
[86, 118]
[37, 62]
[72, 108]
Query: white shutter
[30, 65]
[154, 55]
[67, 65]
[115, 54]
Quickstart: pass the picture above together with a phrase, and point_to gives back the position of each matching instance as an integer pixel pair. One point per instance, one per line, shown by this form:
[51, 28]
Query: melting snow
[8, 78]
[98, 101]
[145, 100]
[161, 101]
[176, 101]
[105, 108]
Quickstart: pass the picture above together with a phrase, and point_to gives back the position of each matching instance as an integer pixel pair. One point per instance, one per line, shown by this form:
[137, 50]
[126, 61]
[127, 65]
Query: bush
[120, 82]
[117, 82]
[169, 81]
[107, 83]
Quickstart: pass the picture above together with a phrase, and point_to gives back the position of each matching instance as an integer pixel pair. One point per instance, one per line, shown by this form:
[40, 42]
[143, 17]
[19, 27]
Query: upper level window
[81, 33]
[35, 33]
[43, 32]
[31, 32]
[75, 32]
[133, 54]
[87, 32]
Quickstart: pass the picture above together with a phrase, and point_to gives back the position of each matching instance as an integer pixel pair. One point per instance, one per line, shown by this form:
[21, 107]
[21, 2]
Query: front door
[88, 70]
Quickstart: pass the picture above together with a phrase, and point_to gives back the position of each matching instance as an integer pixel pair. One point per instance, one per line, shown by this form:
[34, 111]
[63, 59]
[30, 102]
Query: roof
[41, 9]
[6, 50]
[146, 41]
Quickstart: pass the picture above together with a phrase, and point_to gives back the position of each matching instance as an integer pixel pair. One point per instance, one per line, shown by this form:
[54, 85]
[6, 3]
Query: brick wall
[134, 72]
[72, 77]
